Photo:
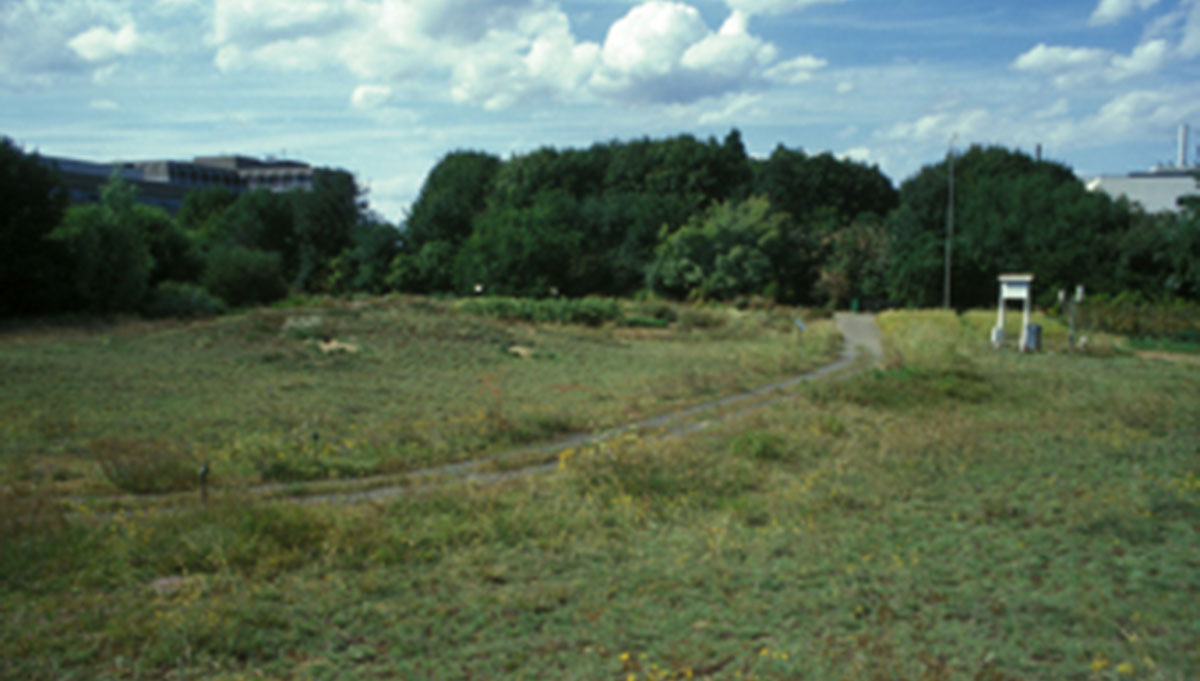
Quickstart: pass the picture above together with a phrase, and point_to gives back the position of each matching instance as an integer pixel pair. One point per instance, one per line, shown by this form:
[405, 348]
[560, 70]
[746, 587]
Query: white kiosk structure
[1014, 287]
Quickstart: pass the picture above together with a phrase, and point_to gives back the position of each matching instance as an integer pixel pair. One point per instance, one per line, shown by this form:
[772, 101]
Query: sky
[385, 88]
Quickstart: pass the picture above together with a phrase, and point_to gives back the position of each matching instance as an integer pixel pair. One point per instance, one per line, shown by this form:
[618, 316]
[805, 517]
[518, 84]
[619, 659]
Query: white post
[1025, 326]
[998, 332]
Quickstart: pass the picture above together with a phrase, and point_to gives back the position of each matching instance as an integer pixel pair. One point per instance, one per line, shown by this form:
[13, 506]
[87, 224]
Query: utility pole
[949, 226]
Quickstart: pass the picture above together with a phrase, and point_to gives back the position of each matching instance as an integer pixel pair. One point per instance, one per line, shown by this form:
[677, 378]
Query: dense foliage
[31, 205]
[221, 249]
[678, 217]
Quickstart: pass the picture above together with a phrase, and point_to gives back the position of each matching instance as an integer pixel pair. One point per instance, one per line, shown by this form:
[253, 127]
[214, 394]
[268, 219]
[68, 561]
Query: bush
[589, 311]
[182, 300]
[696, 318]
[245, 276]
[146, 466]
[1133, 315]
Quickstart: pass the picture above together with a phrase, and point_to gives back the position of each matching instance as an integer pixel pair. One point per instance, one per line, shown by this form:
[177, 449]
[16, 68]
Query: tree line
[678, 217]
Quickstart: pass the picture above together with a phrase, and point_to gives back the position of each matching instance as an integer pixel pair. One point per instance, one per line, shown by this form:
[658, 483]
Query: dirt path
[862, 341]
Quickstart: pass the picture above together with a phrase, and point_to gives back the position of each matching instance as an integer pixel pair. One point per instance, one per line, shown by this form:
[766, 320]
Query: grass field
[256, 397]
[961, 514]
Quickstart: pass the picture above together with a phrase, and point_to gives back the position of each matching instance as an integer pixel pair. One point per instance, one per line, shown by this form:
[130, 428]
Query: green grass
[254, 395]
[963, 514]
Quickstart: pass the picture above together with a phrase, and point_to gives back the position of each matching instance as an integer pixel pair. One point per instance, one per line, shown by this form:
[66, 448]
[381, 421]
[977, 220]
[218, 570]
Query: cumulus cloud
[35, 49]
[664, 52]
[1112, 11]
[774, 6]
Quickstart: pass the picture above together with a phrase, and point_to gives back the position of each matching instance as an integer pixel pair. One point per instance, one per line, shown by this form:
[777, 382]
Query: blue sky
[384, 88]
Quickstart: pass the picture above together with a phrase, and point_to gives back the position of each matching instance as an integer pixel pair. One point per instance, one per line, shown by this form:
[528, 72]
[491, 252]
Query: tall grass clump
[146, 466]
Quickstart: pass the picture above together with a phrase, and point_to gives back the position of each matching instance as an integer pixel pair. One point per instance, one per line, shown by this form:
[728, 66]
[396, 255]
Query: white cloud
[860, 154]
[1112, 11]
[736, 106]
[651, 38]
[100, 43]
[370, 96]
[845, 87]
[1055, 58]
[103, 105]
[974, 123]
[664, 52]
[774, 6]
[1060, 107]
[261, 22]
[1073, 66]
[1145, 58]
[798, 70]
[1188, 19]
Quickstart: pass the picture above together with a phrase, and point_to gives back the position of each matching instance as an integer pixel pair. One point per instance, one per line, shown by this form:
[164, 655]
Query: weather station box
[1015, 286]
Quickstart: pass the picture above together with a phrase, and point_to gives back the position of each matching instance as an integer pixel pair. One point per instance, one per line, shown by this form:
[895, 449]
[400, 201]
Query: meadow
[342, 389]
[959, 513]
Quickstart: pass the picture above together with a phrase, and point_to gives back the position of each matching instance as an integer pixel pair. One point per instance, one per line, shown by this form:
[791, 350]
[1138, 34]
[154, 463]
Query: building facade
[165, 183]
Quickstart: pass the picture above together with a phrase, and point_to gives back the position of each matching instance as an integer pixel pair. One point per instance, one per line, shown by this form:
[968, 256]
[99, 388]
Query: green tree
[202, 210]
[365, 265]
[325, 218]
[735, 248]
[32, 204]
[244, 276]
[529, 251]
[804, 186]
[453, 194]
[263, 220]
[109, 254]
[857, 264]
[1012, 214]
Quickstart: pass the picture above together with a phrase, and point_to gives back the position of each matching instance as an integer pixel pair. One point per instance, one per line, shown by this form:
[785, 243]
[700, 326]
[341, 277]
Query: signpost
[1014, 287]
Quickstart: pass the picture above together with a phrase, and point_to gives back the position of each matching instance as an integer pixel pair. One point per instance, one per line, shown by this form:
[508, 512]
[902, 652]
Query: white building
[1157, 189]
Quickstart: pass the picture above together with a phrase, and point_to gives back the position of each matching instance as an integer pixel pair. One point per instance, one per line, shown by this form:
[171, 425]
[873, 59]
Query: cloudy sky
[384, 88]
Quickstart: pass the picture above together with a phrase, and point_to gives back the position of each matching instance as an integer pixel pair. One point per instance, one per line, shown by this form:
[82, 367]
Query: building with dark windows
[165, 183]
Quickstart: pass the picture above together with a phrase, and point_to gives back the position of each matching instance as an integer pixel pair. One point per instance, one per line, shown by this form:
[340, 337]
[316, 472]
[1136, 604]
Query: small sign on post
[1014, 287]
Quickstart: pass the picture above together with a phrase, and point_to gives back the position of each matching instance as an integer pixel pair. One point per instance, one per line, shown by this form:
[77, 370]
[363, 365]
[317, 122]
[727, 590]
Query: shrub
[146, 466]
[182, 300]
[1133, 315]
[695, 318]
[245, 276]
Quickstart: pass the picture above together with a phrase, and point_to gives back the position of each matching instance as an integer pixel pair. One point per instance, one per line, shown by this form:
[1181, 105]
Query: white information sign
[1014, 287]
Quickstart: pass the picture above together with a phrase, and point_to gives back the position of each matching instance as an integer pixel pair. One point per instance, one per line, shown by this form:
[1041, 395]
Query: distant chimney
[1037, 152]
[1183, 142]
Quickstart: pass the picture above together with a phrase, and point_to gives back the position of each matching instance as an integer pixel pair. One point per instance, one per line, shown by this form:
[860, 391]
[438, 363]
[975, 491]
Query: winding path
[862, 346]
[862, 341]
